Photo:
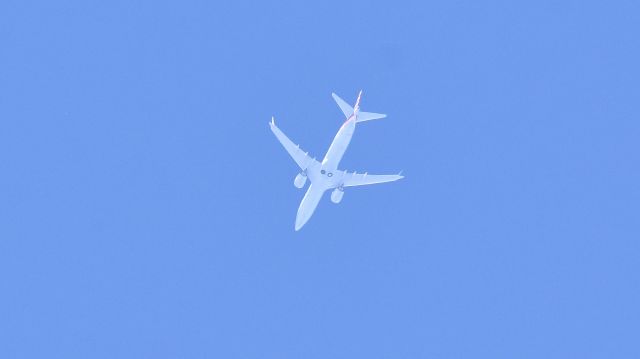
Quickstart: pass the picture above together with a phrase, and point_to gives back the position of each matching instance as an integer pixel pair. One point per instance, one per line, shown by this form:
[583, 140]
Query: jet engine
[336, 195]
[300, 180]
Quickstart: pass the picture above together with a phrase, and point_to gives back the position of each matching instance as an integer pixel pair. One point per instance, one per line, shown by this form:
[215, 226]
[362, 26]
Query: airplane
[325, 175]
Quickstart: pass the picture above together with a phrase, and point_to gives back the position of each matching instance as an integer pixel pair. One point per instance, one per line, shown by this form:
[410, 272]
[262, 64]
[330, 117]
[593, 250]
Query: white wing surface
[302, 158]
[361, 179]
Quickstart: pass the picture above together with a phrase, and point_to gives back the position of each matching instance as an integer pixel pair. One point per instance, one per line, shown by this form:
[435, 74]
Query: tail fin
[361, 116]
[356, 108]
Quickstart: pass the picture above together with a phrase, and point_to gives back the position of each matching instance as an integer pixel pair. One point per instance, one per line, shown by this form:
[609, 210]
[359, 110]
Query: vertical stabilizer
[356, 108]
[361, 116]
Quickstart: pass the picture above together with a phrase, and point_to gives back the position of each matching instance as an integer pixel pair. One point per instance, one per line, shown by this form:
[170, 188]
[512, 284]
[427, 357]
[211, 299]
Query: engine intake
[336, 195]
[300, 180]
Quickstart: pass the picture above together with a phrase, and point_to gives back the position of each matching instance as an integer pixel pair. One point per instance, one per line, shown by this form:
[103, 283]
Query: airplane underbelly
[339, 146]
[308, 204]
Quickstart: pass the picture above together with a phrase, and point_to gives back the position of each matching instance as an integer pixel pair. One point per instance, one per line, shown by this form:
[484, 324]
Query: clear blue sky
[146, 210]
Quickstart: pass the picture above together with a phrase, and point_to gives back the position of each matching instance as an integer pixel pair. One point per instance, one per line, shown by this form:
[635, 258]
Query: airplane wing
[302, 158]
[361, 179]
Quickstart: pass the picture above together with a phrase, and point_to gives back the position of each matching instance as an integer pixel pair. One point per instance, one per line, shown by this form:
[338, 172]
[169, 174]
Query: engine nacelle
[336, 195]
[300, 180]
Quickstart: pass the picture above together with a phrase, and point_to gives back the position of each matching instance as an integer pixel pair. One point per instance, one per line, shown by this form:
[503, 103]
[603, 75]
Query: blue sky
[146, 210]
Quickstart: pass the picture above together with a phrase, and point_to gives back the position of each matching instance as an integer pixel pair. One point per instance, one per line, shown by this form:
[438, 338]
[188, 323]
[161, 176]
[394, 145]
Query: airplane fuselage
[339, 145]
[327, 176]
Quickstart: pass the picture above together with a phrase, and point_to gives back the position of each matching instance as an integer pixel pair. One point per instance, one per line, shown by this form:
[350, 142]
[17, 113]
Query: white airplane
[325, 175]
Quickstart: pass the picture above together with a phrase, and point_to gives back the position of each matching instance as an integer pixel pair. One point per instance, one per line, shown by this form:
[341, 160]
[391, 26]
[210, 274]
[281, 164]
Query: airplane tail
[361, 116]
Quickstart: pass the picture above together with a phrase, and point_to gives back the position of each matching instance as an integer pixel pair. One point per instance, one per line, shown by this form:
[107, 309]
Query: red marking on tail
[357, 106]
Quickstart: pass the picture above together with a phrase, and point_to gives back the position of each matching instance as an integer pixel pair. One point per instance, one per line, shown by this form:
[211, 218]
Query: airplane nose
[301, 219]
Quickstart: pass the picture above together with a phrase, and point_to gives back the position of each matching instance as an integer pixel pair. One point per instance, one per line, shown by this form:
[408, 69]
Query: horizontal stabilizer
[348, 111]
[345, 107]
[366, 116]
